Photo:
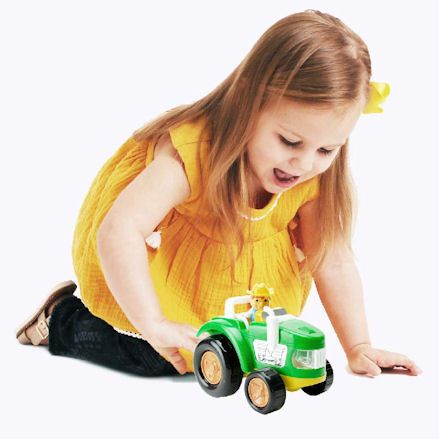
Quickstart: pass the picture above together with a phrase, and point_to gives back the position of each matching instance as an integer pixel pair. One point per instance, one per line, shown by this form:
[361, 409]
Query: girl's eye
[322, 150]
[287, 142]
[325, 151]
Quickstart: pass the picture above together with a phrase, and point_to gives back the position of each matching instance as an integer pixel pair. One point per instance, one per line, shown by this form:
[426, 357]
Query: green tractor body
[278, 354]
[252, 348]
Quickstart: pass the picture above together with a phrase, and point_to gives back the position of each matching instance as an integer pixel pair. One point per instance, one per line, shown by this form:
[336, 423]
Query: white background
[78, 77]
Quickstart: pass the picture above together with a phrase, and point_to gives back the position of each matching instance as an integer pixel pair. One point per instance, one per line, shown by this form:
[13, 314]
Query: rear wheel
[265, 390]
[317, 389]
[217, 367]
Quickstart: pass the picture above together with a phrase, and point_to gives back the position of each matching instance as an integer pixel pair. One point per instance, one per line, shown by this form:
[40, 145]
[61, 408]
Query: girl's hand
[166, 337]
[364, 359]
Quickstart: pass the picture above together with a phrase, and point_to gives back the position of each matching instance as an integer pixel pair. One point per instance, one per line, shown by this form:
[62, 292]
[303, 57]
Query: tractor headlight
[313, 359]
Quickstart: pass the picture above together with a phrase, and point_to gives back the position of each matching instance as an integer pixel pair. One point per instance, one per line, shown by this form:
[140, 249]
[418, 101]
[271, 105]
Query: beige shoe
[36, 329]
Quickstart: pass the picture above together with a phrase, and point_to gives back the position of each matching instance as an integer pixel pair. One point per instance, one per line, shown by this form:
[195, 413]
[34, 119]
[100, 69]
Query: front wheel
[319, 388]
[265, 390]
[217, 367]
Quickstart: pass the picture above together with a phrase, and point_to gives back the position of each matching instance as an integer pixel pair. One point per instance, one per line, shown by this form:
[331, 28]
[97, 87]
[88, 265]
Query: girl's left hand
[364, 359]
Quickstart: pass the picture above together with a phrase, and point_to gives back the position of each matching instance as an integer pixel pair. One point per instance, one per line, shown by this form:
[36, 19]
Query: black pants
[75, 332]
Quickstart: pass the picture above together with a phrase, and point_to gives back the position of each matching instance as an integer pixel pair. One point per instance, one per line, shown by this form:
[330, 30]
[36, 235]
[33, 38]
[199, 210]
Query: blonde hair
[311, 57]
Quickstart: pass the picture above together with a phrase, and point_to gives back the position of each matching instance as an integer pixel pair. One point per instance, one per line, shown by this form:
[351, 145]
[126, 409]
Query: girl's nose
[302, 162]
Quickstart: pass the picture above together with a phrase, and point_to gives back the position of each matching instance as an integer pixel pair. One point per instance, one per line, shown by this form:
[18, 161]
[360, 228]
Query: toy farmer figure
[261, 295]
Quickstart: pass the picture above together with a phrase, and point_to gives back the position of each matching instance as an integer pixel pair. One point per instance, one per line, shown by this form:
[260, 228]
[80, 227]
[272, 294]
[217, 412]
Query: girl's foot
[36, 329]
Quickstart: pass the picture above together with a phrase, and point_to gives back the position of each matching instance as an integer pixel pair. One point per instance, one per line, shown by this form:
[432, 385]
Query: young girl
[248, 184]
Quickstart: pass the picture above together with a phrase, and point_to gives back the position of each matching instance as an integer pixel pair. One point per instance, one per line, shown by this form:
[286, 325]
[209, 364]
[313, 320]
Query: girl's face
[317, 136]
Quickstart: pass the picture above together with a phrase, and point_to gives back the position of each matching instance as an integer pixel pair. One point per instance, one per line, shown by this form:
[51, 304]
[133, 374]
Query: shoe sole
[67, 287]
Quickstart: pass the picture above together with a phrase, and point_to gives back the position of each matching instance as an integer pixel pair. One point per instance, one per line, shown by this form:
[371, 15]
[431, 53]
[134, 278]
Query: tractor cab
[269, 351]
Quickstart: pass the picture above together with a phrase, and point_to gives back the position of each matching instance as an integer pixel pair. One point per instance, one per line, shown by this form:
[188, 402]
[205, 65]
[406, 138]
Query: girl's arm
[123, 257]
[340, 292]
[134, 215]
[339, 287]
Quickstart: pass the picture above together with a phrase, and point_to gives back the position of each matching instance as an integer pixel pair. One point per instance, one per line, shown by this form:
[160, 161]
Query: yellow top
[188, 268]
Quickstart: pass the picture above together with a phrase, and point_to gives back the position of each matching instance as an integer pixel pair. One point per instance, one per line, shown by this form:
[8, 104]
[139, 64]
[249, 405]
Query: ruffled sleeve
[193, 153]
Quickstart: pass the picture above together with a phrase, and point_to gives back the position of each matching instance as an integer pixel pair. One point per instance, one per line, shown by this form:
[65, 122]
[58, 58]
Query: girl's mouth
[283, 179]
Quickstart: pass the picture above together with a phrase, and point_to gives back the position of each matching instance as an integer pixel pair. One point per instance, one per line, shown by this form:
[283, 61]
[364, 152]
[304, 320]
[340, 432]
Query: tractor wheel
[217, 367]
[265, 390]
[319, 388]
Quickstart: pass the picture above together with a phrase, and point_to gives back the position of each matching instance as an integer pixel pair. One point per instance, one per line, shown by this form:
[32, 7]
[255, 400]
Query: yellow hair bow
[378, 94]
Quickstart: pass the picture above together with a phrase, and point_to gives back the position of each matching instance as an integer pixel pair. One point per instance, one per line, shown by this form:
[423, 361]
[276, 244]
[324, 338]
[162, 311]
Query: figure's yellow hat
[261, 290]
[378, 94]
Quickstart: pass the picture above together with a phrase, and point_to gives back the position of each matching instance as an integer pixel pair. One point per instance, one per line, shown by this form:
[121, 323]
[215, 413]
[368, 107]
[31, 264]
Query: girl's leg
[75, 332]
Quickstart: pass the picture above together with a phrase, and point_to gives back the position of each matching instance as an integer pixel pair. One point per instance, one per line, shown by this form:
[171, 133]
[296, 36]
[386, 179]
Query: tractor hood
[305, 336]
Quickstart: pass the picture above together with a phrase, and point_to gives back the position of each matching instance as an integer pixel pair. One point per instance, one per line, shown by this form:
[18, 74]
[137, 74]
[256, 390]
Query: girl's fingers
[363, 363]
[190, 344]
[188, 341]
[402, 361]
[408, 364]
[193, 332]
[388, 359]
[177, 361]
[371, 368]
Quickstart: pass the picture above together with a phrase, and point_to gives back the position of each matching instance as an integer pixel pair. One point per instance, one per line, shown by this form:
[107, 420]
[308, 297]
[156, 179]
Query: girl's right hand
[166, 337]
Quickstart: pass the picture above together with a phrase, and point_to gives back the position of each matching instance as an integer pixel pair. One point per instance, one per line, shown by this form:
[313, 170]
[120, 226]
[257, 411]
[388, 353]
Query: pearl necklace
[258, 218]
[154, 240]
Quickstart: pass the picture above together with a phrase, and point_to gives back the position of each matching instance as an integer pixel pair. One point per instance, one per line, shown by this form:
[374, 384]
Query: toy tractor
[278, 354]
